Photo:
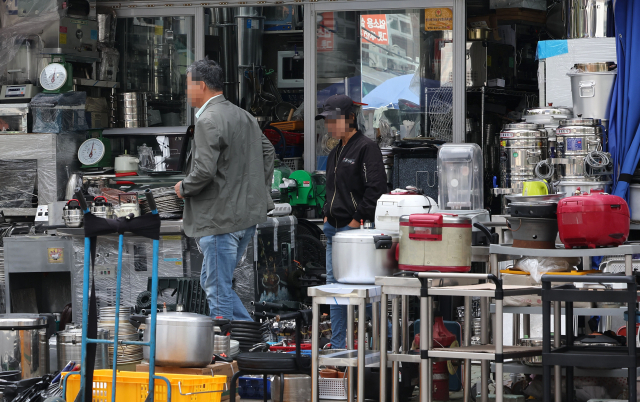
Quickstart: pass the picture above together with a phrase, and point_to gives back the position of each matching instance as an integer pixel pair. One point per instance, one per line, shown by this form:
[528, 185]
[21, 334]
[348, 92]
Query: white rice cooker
[399, 203]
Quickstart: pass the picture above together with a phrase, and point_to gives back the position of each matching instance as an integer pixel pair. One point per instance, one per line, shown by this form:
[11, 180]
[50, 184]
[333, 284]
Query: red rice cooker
[593, 220]
[435, 242]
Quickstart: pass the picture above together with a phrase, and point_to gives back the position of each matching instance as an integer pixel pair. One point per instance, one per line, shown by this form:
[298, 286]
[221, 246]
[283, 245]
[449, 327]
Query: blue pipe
[117, 321]
[85, 312]
[152, 330]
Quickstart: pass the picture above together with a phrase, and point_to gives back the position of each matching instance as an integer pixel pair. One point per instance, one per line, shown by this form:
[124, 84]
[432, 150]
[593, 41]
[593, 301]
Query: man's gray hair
[209, 72]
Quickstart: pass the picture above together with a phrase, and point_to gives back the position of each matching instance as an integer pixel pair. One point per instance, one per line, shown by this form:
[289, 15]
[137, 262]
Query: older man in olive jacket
[227, 192]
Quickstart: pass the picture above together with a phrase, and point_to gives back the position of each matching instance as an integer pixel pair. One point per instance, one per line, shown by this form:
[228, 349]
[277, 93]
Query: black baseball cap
[337, 105]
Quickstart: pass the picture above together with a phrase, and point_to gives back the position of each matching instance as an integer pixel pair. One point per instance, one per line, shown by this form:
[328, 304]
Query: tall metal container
[21, 345]
[132, 109]
[69, 343]
[250, 29]
[591, 89]
[522, 146]
[576, 138]
[587, 18]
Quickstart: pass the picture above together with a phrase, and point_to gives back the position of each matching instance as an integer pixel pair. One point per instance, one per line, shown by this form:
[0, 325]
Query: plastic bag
[538, 266]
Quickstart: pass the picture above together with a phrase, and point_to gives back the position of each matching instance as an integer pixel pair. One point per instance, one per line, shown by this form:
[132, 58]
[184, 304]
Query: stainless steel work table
[351, 296]
[485, 352]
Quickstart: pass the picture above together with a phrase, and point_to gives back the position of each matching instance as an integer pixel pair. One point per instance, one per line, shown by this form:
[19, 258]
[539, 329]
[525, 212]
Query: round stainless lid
[523, 126]
[551, 110]
[15, 320]
[579, 121]
[362, 235]
[182, 319]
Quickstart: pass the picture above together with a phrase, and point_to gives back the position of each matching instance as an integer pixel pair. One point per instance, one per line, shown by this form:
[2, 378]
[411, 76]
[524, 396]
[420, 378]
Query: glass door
[154, 55]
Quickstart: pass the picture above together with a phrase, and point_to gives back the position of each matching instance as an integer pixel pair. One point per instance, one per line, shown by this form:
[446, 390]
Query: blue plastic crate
[252, 387]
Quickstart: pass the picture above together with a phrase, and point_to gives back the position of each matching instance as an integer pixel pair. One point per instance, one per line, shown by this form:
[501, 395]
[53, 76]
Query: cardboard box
[226, 369]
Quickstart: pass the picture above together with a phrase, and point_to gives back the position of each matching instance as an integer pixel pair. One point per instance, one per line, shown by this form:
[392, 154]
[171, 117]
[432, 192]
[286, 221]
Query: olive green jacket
[228, 187]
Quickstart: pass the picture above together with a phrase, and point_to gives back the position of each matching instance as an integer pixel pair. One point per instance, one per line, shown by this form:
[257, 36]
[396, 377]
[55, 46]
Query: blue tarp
[624, 114]
[388, 93]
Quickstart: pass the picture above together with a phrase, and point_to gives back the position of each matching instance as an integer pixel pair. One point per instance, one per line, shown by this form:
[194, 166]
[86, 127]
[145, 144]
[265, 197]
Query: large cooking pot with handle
[182, 339]
[20, 346]
[362, 254]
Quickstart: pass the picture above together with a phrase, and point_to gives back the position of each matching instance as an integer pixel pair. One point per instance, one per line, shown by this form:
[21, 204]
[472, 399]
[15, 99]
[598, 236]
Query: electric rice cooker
[399, 202]
[435, 242]
[593, 220]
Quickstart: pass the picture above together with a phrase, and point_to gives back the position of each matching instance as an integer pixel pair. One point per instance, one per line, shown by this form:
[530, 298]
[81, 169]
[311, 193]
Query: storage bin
[132, 387]
[252, 387]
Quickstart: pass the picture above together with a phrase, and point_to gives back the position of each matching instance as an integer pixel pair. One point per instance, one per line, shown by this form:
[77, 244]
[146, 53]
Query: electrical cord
[550, 170]
[597, 159]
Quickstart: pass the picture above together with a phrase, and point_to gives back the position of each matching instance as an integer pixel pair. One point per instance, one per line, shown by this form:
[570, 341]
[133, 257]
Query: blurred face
[339, 126]
[196, 92]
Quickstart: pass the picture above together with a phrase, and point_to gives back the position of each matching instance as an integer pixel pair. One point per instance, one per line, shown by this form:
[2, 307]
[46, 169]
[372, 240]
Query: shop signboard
[374, 29]
[438, 19]
[324, 34]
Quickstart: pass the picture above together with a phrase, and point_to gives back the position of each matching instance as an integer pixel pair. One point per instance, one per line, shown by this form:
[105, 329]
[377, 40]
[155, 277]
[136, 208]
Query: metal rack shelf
[95, 83]
[632, 248]
[520, 368]
[586, 311]
[484, 352]
[499, 91]
[349, 358]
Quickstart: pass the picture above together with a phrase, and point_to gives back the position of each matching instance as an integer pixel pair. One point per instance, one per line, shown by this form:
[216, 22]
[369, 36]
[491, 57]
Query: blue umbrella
[624, 113]
[389, 92]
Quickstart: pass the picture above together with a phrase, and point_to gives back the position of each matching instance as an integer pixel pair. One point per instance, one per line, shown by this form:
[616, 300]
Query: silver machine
[41, 280]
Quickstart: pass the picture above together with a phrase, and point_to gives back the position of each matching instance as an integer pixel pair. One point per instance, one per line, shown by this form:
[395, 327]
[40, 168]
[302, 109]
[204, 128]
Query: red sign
[374, 29]
[324, 33]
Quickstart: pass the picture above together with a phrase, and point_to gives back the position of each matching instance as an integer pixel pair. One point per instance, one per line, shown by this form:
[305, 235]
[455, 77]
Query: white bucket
[591, 93]
[634, 201]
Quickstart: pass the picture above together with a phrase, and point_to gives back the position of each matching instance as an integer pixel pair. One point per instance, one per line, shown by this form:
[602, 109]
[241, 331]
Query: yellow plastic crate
[133, 387]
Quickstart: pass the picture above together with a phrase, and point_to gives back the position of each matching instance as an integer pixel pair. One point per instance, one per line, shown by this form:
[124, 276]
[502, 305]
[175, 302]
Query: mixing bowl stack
[127, 354]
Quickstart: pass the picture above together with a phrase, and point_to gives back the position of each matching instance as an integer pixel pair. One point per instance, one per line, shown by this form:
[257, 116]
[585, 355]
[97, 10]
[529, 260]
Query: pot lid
[523, 126]
[22, 320]
[579, 121]
[549, 110]
[363, 235]
[182, 319]
[75, 334]
[450, 219]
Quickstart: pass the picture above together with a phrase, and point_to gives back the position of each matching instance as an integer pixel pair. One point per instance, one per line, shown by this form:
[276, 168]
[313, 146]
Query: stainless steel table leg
[499, 347]
[425, 380]
[350, 319]
[384, 319]
[395, 344]
[526, 325]
[405, 324]
[468, 317]
[375, 324]
[429, 345]
[516, 328]
[484, 339]
[315, 335]
[557, 332]
[362, 347]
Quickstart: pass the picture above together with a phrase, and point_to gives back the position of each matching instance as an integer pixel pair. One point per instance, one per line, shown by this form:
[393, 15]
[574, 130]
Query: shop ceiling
[231, 3]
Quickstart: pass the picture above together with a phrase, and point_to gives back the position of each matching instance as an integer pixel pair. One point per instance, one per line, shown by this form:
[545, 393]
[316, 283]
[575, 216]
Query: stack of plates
[235, 349]
[222, 345]
[167, 201]
[126, 332]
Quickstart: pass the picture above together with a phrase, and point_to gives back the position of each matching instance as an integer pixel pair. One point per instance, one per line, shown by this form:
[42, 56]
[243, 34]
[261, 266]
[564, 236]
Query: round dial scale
[53, 76]
[91, 151]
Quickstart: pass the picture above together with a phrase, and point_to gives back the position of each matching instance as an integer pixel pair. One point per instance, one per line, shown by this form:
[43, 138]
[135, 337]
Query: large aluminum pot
[22, 347]
[587, 18]
[591, 93]
[362, 254]
[69, 345]
[182, 339]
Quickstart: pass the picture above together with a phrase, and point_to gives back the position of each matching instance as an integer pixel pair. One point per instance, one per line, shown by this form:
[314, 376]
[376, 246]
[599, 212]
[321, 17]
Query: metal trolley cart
[148, 226]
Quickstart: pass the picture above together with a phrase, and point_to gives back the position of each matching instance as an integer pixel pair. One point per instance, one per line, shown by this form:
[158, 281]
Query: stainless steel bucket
[522, 146]
[591, 93]
[69, 345]
[576, 138]
[22, 347]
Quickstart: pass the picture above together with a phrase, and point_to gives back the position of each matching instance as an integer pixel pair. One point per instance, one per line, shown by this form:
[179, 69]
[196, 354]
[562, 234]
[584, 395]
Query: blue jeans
[222, 253]
[338, 313]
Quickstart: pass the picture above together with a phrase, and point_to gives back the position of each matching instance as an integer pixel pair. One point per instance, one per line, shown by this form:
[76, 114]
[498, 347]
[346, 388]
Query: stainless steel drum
[22, 347]
[587, 18]
[522, 146]
[69, 344]
[591, 90]
[576, 138]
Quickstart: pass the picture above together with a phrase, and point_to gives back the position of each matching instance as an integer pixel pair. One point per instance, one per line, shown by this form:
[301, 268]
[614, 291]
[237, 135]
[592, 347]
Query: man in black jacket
[355, 180]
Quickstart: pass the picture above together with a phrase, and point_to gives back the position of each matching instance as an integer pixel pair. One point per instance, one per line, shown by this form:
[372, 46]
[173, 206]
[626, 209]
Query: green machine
[304, 190]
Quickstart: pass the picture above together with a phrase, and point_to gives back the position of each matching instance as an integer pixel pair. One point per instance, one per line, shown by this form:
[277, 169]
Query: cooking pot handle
[493, 237]
[383, 242]
[425, 237]
[203, 392]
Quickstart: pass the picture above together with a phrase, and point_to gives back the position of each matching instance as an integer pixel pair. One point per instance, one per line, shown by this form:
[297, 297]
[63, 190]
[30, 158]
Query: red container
[292, 139]
[593, 220]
